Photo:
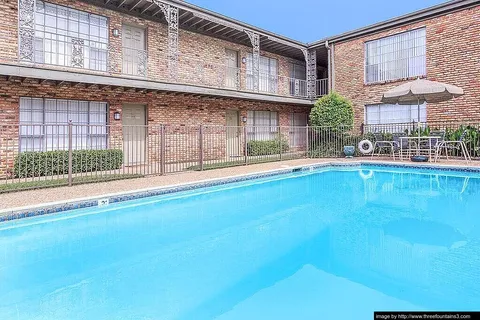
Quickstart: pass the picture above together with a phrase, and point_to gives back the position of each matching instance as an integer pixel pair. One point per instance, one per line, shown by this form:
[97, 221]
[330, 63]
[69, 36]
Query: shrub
[266, 147]
[332, 111]
[36, 164]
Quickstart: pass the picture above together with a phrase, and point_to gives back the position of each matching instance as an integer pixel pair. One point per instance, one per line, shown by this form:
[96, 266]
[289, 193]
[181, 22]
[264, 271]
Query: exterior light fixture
[116, 115]
[116, 33]
[244, 60]
[244, 119]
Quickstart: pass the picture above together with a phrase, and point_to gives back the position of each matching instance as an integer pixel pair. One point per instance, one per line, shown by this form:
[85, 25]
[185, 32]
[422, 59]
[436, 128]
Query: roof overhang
[104, 81]
[200, 20]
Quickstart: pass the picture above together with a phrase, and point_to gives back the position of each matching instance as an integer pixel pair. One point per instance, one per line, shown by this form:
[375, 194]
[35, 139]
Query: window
[44, 124]
[396, 57]
[298, 123]
[262, 125]
[381, 114]
[298, 71]
[297, 81]
[267, 81]
[55, 29]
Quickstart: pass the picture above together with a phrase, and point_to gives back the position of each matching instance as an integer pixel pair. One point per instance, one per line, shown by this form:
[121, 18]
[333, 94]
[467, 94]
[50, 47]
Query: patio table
[418, 140]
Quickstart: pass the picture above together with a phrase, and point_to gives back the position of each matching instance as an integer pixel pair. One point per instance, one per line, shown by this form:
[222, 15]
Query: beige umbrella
[420, 91]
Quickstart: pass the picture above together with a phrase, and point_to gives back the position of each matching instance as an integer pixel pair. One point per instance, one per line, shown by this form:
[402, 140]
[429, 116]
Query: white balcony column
[171, 15]
[26, 30]
[311, 64]
[255, 40]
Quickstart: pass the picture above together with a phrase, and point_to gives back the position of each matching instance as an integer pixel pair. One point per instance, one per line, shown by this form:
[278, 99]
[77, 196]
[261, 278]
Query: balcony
[81, 51]
[219, 75]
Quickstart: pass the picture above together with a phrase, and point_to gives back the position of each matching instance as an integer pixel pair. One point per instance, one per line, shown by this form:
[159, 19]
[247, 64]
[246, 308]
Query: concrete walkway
[36, 197]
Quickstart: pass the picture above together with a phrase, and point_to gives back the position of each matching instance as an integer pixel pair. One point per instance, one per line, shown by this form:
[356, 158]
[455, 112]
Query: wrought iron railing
[322, 87]
[134, 62]
[69, 51]
[196, 71]
[296, 87]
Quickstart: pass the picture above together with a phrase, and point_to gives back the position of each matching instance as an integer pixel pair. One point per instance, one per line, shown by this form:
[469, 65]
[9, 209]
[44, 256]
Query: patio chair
[435, 142]
[400, 145]
[381, 144]
[458, 145]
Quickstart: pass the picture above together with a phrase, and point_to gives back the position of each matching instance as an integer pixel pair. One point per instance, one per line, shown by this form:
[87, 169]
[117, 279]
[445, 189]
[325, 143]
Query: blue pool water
[329, 244]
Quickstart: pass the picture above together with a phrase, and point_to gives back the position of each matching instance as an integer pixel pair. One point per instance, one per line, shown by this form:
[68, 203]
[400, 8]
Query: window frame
[253, 130]
[58, 126]
[60, 38]
[271, 79]
[413, 107]
[396, 78]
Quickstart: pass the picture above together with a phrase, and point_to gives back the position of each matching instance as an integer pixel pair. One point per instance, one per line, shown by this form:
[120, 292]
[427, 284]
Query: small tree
[333, 111]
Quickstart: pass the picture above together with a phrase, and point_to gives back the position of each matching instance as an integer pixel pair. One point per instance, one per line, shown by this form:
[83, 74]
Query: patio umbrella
[420, 91]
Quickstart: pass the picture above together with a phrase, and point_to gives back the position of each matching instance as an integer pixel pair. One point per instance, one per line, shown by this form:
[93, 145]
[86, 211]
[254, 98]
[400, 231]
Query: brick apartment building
[440, 43]
[150, 62]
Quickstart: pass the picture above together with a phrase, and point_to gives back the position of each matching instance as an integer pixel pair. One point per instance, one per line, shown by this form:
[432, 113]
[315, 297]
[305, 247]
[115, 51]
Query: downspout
[329, 69]
[333, 66]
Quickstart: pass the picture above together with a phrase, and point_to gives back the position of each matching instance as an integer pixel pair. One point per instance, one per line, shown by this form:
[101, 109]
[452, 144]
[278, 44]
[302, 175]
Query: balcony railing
[134, 62]
[195, 71]
[322, 87]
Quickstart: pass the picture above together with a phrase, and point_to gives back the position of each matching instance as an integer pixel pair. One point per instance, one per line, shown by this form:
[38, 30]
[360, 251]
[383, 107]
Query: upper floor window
[69, 37]
[268, 75]
[297, 80]
[396, 57]
[298, 71]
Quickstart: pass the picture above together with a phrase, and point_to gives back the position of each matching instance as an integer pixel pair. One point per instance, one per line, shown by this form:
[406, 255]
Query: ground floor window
[262, 125]
[298, 123]
[44, 124]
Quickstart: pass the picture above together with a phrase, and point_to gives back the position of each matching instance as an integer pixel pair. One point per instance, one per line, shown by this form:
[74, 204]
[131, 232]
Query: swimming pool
[330, 243]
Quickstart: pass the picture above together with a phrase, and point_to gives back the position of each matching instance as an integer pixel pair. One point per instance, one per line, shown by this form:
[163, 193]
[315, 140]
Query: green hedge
[266, 147]
[36, 164]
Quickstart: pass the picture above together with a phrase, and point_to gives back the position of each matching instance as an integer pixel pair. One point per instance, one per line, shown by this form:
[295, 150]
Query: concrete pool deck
[11, 201]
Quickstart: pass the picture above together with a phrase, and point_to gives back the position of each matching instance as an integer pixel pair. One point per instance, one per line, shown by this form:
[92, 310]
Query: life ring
[365, 143]
[367, 175]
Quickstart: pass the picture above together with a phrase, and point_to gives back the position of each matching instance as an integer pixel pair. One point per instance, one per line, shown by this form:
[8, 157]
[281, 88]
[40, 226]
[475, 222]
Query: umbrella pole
[418, 127]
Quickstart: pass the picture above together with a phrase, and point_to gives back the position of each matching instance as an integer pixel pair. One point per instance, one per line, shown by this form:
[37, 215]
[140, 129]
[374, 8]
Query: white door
[232, 72]
[233, 134]
[134, 134]
[133, 40]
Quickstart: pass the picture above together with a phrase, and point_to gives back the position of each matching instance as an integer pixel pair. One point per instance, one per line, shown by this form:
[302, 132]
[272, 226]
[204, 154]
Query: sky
[311, 20]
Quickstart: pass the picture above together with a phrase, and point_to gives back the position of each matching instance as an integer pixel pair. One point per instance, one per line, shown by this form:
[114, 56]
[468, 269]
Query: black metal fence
[33, 156]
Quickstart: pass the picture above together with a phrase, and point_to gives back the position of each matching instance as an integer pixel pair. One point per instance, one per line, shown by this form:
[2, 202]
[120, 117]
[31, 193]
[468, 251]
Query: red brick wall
[195, 50]
[162, 108]
[453, 56]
